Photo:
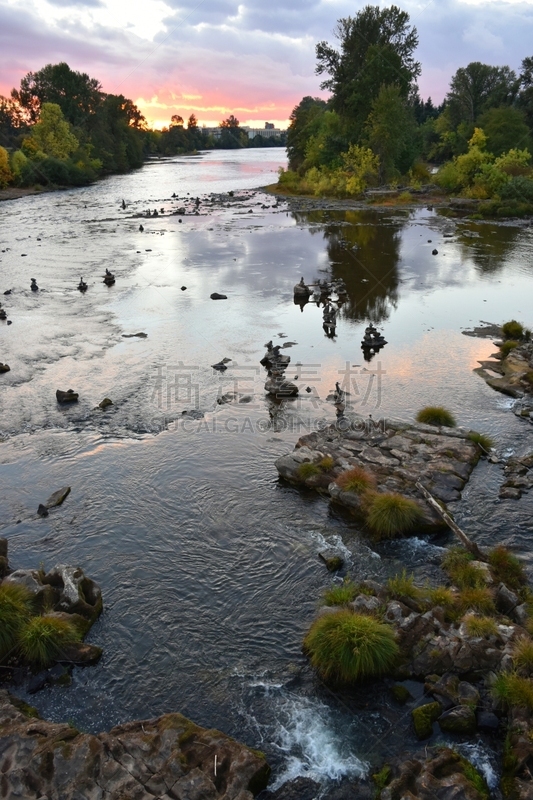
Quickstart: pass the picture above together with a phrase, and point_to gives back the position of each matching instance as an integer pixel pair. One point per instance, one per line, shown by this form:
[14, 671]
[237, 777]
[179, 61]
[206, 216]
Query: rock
[81, 654]
[506, 600]
[4, 567]
[3, 547]
[423, 718]
[4, 367]
[140, 335]
[168, 757]
[468, 695]
[332, 559]
[183, 288]
[458, 720]
[217, 296]
[58, 497]
[401, 694]
[363, 604]
[297, 789]
[193, 413]
[487, 721]
[44, 596]
[105, 403]
[42, 510]
[77, 593]
[508, 493]
[434, 252]
[70, 396]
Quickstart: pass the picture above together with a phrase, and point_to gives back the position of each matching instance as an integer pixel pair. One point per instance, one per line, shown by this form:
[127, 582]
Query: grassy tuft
[455, 557]
[307, 470]
[391, 514]
[479, 600]
[513, 690]
[340, 594]
[326, 464]
[480, 626]
[346, 647]
[15, 610]
[43, 638]
[522, 656]
[508, 346]
[436, 415]
[356, 480]
[484, 442]
[513, 330]
[441, 596]
[467, 576]
[506, 568]
[476, 779]
[403, 585]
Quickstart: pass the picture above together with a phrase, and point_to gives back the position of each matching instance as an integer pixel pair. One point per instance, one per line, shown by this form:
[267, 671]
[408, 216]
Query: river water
[208, 563]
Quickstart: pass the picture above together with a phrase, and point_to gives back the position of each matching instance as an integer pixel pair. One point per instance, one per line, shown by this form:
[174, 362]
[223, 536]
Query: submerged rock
[217, 296]
[4, 367]
[58, 497]
[70, 396]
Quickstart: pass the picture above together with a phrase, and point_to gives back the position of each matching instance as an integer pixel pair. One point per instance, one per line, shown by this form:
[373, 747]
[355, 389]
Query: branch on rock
[471, 546]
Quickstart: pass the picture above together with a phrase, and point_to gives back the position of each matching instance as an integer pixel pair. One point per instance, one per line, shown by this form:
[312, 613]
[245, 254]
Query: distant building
[267, 132]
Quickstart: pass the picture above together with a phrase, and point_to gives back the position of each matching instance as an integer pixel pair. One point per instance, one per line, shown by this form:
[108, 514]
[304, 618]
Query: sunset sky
[254, 58]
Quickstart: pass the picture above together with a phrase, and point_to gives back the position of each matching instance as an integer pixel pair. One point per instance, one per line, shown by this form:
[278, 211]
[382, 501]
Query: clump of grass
[307, 470]
[484, 442]
[390, 514]
[475, 778]
[522, 656]
[356, 480]
[15, 610]
[403, 586]
[467, 576]
[513, 690]
[528, 378]
[340, 594]
[456, 557]
[441, 596]
[43, 639]
[479, 600]
[480, 626]
[513, 330]
[346, 647]
[326, 464]
[506, 568]
[436, 415]
[508, 346]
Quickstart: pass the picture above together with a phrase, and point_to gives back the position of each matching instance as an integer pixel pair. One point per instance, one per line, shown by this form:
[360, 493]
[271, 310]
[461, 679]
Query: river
[208, 564]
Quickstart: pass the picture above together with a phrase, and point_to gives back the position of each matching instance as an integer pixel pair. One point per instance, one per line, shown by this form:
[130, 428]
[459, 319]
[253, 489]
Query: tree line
[375, 129]
[60, 128]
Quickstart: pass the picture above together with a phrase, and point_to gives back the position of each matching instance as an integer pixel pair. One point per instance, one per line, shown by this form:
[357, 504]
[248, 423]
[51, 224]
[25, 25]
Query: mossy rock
[424, 717]
[460, 720]
[401, 694]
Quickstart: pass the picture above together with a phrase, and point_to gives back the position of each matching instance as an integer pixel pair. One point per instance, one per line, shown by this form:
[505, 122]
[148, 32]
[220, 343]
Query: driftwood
[467, 543]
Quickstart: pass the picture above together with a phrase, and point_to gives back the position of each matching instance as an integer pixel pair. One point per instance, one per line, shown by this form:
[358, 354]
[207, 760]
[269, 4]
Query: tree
[478, 87]
[391, 133]
[75, 93]
[176, 121]
[303, 125]
[230, 122]
[192, 122]
[6, 176]
[12, 122]
[52, 133]
[376, 49]
[505, 128]
[525, 98]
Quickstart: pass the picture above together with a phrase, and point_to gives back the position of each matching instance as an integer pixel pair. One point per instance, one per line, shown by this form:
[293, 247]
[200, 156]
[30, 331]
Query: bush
[479, 600]
[43, 639]
[506, 568]
[467, 576]
[519, 189]
[456, 557]
[522, 656]
[403, 586]
[441, 596]
[480, 626]
[513, 690]
[15, 610]
[356, 480]
[513, 330]
[326, 464]
[307, 470]
[340, 594]
[484, 442]
[436, 415]
[391, 514]
[507, 346]
[345, 647]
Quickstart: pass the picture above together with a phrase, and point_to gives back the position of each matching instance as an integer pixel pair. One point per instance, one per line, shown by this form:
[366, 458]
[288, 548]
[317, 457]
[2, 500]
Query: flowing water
[208, 563]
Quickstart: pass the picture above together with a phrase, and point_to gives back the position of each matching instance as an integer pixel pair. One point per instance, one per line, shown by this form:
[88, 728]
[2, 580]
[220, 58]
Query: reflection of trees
[491, 248]
[363, 250]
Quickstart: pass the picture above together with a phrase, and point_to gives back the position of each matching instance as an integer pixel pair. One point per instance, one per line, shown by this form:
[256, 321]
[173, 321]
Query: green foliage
[382, 777]
[505, 127]
[18, 160]
[455, 557]
[513, 690]
[480, 626]
[304, 124]
[15, 610]
[326, 464]
[340, 594]
[482, 440]
[476, 779]
[52, 133]
[513, 330]
[479, 600]
[391, 514]
[6, 176]
[506, 568]
[436, 415]
[42, 639]
[441, 596]
[476, 88]
[424, 717]
[346, 647]
[522, 656]
[390, 133]
[403, 586]
[356, 479]
[467, 576]
[401, 694]
[508, 346]
[307, 470]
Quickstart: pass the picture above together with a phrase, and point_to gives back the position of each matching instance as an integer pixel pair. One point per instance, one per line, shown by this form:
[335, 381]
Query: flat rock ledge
[399, 454]
[169, 758]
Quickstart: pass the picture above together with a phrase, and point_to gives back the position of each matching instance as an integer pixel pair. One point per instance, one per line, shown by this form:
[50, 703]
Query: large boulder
[77, 593]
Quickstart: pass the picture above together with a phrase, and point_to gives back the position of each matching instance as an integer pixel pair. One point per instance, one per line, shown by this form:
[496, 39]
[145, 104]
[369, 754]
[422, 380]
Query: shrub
[392, 514]
[513, 690]
[480, 600]
[340, 594]
[441, 596]
[484, 442]
[356, 480]
[508, 346]
[326, 464]
[456, 557]
[513, 330]
[43, 638]
[436, 415]
[480, 626]
[467, 576]
[307, 470]
[506, 568]
[345, 647]
[15, 610]
[403, 585]
[522, 656]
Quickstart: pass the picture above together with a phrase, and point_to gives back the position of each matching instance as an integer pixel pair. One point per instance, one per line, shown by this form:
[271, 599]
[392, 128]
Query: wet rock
[81, 654]
[363, 604]
[217, 296]
[4, 368]
[140, 335]
[461, 720]
[487, 721]
[3, 547]
[508, 493]
[401, 694]
[297, 789]
[105, 403]
[42, 510]
[58, 497]
[434, 252]
[332, 559]
[4, 567]
[183, 288]
[193, 413]
[506, 600]
[44, 596]
[423, 718]
[77, 593]
[70, 396]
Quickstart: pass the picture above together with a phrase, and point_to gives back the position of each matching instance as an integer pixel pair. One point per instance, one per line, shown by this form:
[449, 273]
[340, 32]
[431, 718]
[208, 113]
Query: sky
[251, 58]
